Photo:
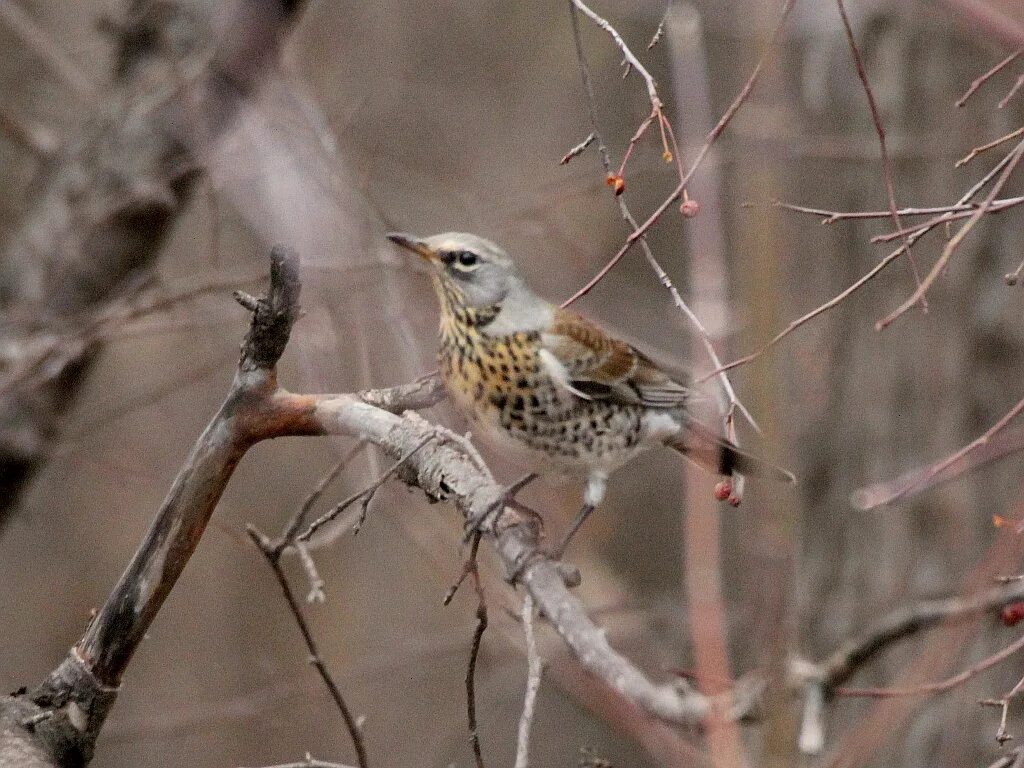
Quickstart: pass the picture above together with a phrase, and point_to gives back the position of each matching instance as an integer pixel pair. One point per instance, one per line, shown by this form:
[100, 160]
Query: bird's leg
[597, 484]
[475, 524]
[583, 514]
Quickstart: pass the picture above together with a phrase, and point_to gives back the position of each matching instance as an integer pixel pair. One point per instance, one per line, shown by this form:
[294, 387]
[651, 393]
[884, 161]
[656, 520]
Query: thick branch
[58, 722]
[909, 620]
[255, 409]
[816, 681]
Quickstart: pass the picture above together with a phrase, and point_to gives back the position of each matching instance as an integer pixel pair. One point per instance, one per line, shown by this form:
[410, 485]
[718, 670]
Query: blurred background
[453, 116]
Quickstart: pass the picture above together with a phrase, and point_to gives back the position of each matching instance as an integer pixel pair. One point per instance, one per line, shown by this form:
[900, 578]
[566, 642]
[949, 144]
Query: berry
[1012, 613]
[617, 183]
[689, 208]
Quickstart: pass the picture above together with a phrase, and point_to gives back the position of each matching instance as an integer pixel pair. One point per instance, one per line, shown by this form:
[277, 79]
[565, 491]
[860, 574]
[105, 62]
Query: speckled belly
[515, 406]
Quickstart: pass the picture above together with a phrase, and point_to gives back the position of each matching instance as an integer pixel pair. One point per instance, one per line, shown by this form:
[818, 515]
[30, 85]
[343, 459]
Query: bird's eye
[468, 259]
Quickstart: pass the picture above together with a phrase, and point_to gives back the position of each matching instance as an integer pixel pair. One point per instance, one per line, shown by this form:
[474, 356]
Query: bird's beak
[413, 244]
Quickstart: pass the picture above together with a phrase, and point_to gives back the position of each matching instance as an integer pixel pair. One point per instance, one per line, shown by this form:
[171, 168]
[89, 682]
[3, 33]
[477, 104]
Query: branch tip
[273, 316]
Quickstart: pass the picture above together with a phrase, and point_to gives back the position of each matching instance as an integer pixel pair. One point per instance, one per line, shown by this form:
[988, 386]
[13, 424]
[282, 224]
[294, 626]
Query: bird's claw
[484, 520]
[569, 573]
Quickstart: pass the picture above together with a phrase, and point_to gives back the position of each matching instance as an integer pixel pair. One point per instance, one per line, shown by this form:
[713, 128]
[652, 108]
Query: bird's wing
[593, 365]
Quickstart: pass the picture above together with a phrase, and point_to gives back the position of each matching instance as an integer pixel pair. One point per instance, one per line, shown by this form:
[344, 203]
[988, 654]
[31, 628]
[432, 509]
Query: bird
[551, 389]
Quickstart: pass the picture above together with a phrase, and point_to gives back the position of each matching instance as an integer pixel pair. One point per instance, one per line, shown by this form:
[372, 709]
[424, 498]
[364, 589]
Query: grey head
[480, 273]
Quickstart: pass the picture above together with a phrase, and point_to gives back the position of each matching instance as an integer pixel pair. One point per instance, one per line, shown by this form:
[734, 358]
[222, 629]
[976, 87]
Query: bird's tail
[697, 442]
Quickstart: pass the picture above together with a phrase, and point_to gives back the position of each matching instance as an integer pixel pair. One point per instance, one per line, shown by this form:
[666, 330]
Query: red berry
[1012, 613]
[734, 499]
[617, 183]
[723, 490]
[689, 208]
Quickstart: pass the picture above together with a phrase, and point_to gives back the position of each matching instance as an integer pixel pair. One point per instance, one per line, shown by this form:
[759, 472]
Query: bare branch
[940, 687]
[986, 147]
[535, 668]
[470, 568]
[830, 217]
[982, 79]
[366, 495]
[627, 54]
[874, 271]
[876, 118]
[954, 242]
[713, 135]
[992, 445]
[1017, 85]
[297, 521]
[732, 402]
[578, 149]
[273, 557]
[906, 621]
[1002, 734]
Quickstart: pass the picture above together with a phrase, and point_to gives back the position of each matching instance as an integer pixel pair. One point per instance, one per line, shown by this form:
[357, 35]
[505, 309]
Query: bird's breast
[501, 385]
[485, 374]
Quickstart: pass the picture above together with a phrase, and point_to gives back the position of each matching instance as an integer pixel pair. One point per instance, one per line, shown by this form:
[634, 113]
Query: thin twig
[274, 561]
[831, 217]
[876, 117]
[316, 592]
[868, 276]
[670, 150]
[366, 494]
[955, 241]
[1011, 278]
[985, 147]
[299, 518]
[939, 687]
[712, 136]
[578, 149]
[627, 54]
[732, 401]
[925, 477]
[1002, 734]
[982, 79]
[1017, 85]
[535, 668]
[474, 653]
[659, 32]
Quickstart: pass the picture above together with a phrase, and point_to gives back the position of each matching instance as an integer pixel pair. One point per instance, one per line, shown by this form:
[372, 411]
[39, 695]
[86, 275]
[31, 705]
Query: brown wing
[597, 366]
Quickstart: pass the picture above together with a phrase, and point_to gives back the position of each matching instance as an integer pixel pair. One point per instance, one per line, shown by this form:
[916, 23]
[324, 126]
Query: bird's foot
[570, 574]
[507, 499]
[556, 553]
[581, 516]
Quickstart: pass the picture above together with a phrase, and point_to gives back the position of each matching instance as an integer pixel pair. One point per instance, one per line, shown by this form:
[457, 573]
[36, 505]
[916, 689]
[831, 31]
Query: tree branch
[56, 724]
[67, 712]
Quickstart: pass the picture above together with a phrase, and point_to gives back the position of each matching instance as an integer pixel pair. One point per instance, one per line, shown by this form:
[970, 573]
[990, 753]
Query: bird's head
[468, 270]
